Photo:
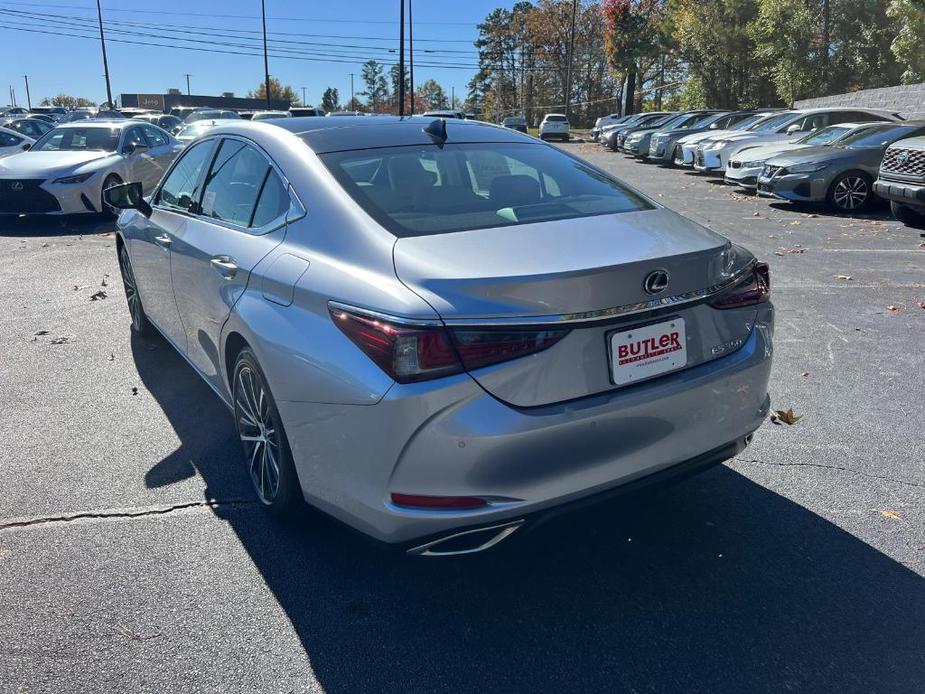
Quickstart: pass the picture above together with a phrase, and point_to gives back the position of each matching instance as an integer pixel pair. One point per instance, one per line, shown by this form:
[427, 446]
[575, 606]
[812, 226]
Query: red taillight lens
[479, 348]
[406, 353]
[412, 353]
[753, 289]
[437, 502]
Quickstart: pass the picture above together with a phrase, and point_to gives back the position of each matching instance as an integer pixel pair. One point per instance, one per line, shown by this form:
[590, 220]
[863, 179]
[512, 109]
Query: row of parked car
[846, 158]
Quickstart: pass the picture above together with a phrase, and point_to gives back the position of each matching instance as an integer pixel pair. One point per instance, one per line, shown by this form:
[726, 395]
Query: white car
[267, 115]
[554, 125]
[713, 156]
[67, 170]
[12, 142]
[745, 166]
[604, 121]
[688, 143]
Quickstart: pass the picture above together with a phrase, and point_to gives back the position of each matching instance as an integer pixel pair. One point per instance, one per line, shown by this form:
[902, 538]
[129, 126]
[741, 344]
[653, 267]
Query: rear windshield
[825, 136]
[102, 139]
[425, 190]
[556, 119]
[878, 135]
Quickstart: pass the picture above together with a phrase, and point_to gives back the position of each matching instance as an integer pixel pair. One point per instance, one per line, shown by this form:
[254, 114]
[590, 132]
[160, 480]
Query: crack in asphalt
[830, 467]
[124, 512]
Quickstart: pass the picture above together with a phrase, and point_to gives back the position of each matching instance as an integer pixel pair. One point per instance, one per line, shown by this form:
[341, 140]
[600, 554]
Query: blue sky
[347, 30]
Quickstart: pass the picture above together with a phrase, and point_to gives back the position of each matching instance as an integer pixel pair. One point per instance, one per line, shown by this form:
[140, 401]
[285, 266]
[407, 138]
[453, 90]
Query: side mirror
[127, 196]
[26, 146]
[132, 148]
[793, 129]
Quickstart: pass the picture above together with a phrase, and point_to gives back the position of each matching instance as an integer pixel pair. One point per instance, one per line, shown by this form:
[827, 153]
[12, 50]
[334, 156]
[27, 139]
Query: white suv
[554, 125]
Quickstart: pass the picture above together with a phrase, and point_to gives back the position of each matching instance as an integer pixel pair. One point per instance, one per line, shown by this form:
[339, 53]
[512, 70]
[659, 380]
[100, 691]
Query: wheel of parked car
[850, 192]
[111, 180]
[907, 215]
[266, 449]
[140, 322]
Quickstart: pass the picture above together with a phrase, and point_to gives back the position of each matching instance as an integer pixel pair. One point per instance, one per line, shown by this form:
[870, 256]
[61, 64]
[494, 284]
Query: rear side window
[182, 182]
[7, 140]
[423, 190]
[242, 188]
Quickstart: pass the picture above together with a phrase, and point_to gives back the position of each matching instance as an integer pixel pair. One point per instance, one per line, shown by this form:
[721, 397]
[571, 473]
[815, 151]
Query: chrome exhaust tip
[467, 541]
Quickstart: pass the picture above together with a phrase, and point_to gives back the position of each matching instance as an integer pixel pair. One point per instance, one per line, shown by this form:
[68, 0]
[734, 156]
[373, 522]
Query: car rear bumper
[911, 194]
[451, 438]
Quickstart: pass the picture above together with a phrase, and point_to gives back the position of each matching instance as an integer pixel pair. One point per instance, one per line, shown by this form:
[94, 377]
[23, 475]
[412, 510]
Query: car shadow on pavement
[52, 225]
[714, 585]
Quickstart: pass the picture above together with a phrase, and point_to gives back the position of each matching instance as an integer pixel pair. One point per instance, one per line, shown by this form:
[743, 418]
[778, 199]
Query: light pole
[28, 96]
[99, 14]
[187, 83]
[401, 59]
[266, 59]
[568, 73]
[350, 105]
[303, 96]
[411, 53]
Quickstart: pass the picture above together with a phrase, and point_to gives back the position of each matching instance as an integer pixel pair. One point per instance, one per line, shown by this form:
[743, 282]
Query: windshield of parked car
[77, 139]
[210, 115]
[772, 123]
[825, 136]
[425, 190]
[878, 135]
[194, 130]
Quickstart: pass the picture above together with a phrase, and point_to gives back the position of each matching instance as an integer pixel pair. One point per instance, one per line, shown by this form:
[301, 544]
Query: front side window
[235, 183]
[423, 190]
[182, 184]
[155, 136]
[79, 139]
[134, 136]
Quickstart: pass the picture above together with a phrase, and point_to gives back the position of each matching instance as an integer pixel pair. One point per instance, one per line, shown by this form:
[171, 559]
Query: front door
[240, 218]
[150, 240]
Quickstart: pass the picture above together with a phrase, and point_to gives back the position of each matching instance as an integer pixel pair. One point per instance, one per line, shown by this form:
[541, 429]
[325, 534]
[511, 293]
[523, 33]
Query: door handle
[163, 241]
[224, 265]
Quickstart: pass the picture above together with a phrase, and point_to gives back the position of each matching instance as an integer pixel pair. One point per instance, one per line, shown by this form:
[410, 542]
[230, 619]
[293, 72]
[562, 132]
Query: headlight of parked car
[806, 168]
[719, 144]
[752, 164]
[79, 178]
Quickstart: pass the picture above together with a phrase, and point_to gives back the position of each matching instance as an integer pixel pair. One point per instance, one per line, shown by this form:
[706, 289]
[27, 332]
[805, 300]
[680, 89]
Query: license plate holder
[647, 351]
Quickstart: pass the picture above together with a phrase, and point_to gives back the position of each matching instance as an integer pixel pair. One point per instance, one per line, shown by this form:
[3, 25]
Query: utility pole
[28, 96]
[351, 106]
[568, 72]
[266, 59]
[411, 52]
[187, 83]
[303, 96]
[401, 59]
[453, 96]
[12, 96]
[99, 14]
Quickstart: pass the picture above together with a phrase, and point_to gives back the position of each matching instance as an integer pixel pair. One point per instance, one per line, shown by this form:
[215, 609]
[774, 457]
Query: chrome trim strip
[504, 530]
[606, 313]
[378, 315]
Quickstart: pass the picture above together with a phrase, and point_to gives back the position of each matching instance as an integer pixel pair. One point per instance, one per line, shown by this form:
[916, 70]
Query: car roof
[111, 123]
[361, 132]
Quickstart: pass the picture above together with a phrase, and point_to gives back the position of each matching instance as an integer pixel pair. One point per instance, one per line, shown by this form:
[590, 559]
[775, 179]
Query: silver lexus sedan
[440, 331]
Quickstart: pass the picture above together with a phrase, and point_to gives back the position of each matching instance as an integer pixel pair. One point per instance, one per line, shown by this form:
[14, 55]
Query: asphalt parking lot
[134, 558]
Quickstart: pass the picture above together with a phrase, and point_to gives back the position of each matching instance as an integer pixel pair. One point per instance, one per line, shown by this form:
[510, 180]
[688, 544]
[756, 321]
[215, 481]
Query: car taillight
[754, 288]
[419, 353]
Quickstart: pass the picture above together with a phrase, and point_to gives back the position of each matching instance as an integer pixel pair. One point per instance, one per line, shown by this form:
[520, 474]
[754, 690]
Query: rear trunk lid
[584, 273]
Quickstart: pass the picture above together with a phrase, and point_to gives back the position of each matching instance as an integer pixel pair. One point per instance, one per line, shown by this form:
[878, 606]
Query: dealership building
[165, 102]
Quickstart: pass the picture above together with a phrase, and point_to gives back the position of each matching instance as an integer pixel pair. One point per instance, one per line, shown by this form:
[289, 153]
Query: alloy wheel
[258, 433]
[851, 193]
[131, 291]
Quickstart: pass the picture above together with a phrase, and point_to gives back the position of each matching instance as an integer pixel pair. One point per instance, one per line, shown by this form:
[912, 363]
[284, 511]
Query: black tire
[850, 192]
[106, 210]
[136, 310]
[266, 449]
[907, 215]
[566, 138]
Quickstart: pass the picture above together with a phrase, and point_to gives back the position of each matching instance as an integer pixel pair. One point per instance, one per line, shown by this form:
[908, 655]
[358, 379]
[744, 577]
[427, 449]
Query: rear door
[239, 218]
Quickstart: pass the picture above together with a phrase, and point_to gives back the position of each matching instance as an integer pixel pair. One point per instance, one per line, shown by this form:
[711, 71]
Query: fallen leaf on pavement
[805, 374]
[42, 332]
[112, 356]
[894, 308]
[892, 515]
[61, 340]
[842, 277]
[134, 390]
[784, 417]
[78, 287]
[98, 296]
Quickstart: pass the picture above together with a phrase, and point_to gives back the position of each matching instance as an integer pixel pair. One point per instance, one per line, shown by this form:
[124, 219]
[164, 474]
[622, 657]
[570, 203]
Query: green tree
[430, 95]
[784, 31]
[67, 101]
[633, 38]
[330, 99]
[909, 44]
[277, 91]
[377, 88]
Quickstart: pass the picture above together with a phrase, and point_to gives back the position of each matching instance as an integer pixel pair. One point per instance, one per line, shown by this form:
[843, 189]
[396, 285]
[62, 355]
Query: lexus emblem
[902, 157]
[656, 282]
[16, 185]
